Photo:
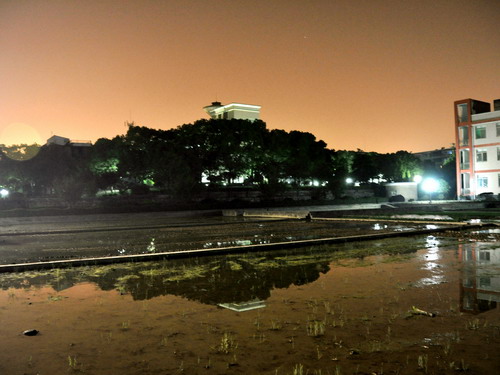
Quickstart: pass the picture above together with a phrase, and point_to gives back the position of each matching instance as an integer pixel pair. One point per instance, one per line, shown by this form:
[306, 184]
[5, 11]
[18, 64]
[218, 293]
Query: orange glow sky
[379, 75]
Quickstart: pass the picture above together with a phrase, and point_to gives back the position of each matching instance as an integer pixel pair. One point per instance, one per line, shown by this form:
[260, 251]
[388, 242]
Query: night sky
[378, 75]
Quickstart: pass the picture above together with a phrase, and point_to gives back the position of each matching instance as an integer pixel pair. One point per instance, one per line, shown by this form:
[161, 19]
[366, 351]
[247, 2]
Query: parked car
[487, 196]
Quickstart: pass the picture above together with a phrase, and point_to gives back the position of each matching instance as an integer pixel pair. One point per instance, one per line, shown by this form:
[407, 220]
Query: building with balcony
[477, 136]
[233, 111]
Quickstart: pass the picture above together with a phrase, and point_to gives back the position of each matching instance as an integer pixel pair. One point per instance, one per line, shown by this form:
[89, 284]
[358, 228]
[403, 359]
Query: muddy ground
[62, 237]
[320, 312]
[334, 309]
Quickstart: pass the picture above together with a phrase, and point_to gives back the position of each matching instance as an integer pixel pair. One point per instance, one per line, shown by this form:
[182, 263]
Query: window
[462, 112]
[484, 282]
[498, 129]
[465, 183]
[482, 182]
[463, 135]
[464, 159]
[484, 255]
[480, 132]
[481, 155]
[468, 282]
[498, 153]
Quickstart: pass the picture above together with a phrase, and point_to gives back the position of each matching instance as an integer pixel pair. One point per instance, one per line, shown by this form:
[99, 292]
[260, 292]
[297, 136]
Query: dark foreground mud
[329, 310]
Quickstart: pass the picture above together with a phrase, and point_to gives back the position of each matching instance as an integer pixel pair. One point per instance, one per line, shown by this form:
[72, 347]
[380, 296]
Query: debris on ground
[415, 311]
[30, 332]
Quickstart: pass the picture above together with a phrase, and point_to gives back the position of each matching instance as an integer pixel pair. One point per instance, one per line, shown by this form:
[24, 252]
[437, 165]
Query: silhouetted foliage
[222, 152]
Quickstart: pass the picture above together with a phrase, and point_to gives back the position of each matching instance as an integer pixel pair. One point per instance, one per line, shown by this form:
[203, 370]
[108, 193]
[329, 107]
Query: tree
[408, 165]
[342, 162]
[364, 166]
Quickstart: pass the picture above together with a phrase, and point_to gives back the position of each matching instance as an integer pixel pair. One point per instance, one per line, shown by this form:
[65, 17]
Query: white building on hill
[233, 111]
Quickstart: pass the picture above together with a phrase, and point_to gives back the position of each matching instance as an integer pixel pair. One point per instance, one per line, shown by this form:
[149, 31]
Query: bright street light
[430, 185]
[4, 193]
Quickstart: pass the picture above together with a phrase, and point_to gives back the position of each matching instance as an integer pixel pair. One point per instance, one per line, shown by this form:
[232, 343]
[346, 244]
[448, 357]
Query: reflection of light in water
[152, 247]
[431, 242]
[402, 229]
[377, 226]
[487, 231]
[431, 226]
[434, 280]
[208, 245]
[243, 242]
[430, 263]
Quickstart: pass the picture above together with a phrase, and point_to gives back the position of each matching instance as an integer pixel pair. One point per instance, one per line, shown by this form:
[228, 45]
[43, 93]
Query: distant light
[349, 180]
[315, 183]
[430, 185]
[417, 179]
[4, 193]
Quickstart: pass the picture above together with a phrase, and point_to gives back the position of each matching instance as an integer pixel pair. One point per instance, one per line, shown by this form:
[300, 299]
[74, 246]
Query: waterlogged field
[54, 238]
[413, 305]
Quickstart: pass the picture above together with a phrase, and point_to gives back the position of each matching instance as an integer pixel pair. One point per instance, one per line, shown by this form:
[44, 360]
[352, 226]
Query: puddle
[328, 309]
[488, 231]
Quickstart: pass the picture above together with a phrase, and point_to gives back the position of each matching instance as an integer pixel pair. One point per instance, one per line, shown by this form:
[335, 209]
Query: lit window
[482, 182]
[481, 155]
[480, 132]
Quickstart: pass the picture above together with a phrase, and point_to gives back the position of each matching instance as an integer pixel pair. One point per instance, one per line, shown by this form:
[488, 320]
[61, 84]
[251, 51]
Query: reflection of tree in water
[222, 281]
[211, 280]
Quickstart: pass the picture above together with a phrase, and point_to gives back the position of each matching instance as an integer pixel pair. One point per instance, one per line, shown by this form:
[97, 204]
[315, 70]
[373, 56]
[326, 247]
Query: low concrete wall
[292, 214]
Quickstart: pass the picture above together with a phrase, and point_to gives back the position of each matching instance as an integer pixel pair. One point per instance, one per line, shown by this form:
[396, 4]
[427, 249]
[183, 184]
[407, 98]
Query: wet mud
[337, 309]
[55, 238]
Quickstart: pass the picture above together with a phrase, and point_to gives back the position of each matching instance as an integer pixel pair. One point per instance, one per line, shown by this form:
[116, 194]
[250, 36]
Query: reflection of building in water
[480, 283]
[244, 306]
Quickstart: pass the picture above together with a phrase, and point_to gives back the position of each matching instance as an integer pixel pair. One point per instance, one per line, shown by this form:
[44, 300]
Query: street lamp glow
[417, 179]
[349, 180]
[430, 185]
[4, 193]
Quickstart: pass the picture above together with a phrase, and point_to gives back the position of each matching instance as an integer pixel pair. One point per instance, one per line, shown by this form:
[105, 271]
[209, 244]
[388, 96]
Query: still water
[341, 309]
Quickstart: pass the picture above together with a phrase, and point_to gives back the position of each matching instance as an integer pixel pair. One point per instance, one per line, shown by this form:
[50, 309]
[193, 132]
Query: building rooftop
[486, 116]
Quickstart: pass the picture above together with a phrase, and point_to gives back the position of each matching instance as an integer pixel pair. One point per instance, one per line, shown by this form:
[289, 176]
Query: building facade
[435, 158]
[477, 139]
[74, 148]
[233, 111]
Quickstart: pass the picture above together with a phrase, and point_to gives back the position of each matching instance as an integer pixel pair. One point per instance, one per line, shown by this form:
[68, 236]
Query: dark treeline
[203, 155]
